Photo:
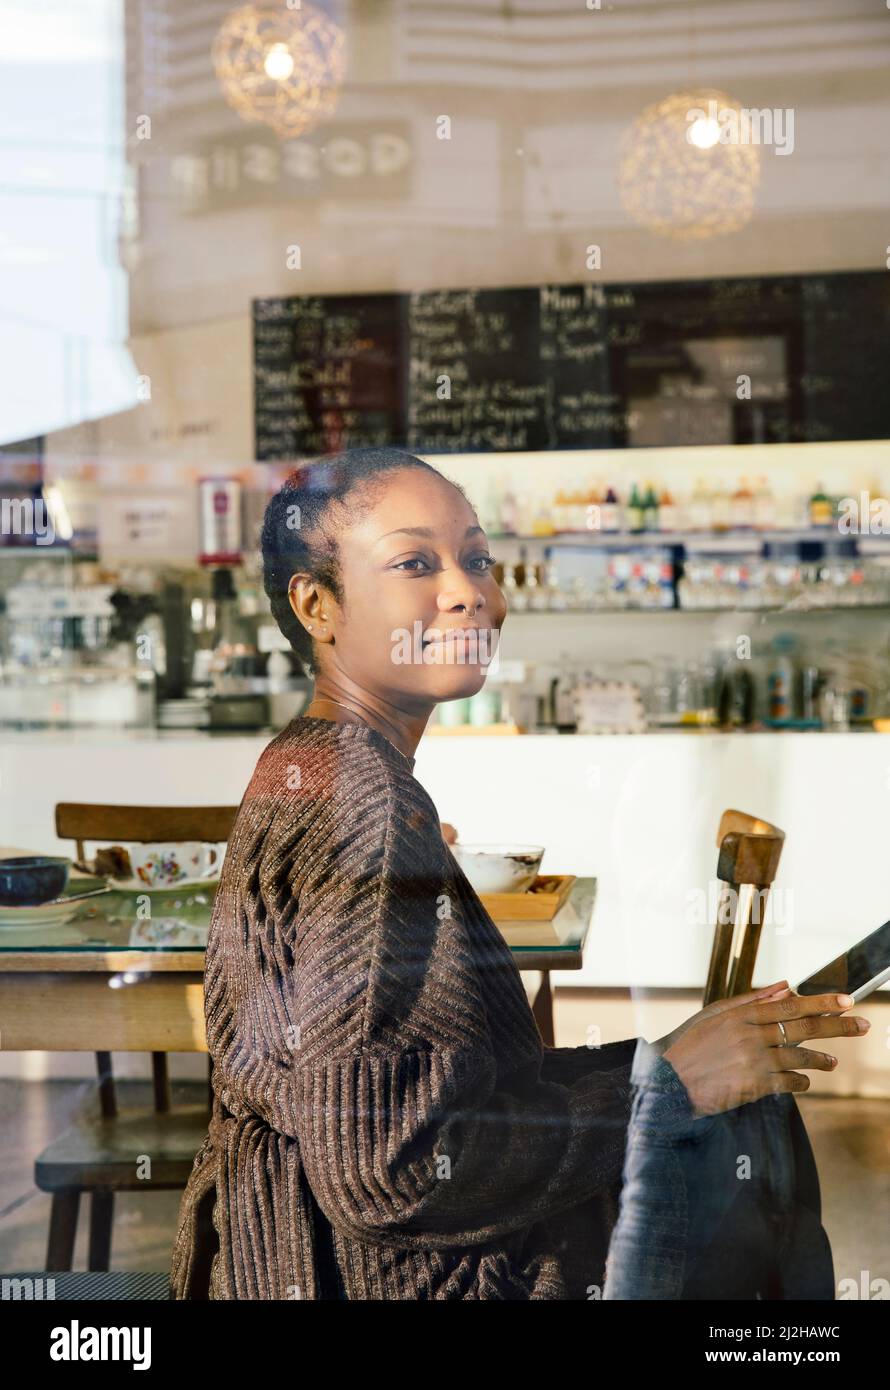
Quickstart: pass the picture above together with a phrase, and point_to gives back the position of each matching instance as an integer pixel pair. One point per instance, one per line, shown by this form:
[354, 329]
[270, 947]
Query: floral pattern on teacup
[167, 867]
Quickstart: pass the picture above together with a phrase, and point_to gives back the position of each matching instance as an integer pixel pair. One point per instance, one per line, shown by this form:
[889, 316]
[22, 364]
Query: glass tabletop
[174, 921]
[117, 921]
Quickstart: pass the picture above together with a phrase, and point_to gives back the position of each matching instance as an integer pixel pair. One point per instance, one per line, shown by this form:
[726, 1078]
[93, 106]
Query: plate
[52, 914]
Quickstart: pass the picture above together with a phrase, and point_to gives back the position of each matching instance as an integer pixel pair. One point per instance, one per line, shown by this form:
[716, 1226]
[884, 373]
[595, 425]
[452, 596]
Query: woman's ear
[309, 603]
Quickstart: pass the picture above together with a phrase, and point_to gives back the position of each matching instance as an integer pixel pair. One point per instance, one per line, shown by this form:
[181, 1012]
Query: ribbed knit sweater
[386, 1121]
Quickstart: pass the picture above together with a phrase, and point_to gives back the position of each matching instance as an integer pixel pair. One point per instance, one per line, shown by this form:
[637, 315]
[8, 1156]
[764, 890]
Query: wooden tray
[540, 903]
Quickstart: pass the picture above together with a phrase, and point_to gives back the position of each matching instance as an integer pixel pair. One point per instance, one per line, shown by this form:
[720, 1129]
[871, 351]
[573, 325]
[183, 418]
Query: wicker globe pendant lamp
[688, 168]
[279, 65]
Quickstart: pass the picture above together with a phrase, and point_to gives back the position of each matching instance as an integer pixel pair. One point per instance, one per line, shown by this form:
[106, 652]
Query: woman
[386, 1122]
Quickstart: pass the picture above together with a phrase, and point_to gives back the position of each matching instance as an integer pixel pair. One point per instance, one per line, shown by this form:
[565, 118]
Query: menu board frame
[764, 359]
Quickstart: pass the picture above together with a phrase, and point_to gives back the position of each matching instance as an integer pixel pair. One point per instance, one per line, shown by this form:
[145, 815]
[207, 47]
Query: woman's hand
[661, 1045]
[733, 1052]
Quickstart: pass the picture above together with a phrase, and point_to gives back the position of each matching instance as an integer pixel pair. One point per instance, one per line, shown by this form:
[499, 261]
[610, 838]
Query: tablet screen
[856, 968]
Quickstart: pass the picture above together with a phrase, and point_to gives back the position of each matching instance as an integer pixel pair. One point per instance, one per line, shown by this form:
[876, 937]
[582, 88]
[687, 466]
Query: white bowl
[500, 868]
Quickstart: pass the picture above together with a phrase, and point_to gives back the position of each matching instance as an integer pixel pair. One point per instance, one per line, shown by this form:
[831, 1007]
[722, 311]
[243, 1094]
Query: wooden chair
[749, 855]
[98, 1154]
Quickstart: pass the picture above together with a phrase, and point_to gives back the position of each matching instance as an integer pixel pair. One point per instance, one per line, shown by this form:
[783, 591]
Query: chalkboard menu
[589, 366]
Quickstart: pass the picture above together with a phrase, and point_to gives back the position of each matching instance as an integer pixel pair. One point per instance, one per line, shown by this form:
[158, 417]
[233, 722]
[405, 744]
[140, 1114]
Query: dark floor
[851, 1140]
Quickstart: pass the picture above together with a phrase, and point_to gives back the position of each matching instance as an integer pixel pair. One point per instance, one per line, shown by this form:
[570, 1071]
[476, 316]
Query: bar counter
[637, 812]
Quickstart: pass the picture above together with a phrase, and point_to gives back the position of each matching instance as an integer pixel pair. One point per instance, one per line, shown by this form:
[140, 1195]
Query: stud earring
[309, 625]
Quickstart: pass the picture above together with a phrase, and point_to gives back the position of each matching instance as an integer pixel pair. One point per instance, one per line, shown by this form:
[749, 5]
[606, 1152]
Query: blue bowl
[32, 879]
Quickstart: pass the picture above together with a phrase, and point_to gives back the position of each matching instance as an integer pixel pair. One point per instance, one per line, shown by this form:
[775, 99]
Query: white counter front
[640, 813]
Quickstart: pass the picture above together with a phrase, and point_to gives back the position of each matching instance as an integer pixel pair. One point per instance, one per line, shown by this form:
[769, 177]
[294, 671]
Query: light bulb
[704, 133]
[278, 62]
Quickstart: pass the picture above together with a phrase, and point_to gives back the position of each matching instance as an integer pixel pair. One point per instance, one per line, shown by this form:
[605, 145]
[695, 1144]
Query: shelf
[44, 552]
[784, 609]
[714, 542]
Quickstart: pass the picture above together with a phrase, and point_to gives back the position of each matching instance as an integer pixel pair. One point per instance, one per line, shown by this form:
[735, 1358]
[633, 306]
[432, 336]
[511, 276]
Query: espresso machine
[227, 665]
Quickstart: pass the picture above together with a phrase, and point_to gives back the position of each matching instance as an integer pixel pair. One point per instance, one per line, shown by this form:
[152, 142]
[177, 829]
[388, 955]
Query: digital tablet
[858, 971]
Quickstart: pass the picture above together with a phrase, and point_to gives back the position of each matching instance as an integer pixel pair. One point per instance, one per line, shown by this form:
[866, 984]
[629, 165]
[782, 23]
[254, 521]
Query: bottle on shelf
[742, 507]
[764, 507]
[780, 681]
[611, 511]
[668, 512]
[560, 509]
[555, 596]
[562, 690]
[650, 509]
[525, 513]
[514, 583]
[700, 509]
[633, 512]
[577, 508]
[721, 515]
[736, 692]
[509, 512]
[543, 522]
[533, 588]
[509, 585]
[821, 510]
[593, 511]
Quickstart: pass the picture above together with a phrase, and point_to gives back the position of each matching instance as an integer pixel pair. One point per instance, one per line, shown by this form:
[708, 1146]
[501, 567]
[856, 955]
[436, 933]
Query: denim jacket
[717, 1207]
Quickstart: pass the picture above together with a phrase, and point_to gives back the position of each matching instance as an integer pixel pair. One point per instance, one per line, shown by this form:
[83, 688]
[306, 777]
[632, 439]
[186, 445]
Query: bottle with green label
[634, 511]
[650, 510]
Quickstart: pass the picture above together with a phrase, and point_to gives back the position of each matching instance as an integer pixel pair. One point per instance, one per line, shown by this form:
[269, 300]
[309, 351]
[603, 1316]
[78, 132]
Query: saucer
[183, 885]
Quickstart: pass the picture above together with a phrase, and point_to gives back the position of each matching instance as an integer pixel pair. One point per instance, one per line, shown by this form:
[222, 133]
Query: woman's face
[421, 611]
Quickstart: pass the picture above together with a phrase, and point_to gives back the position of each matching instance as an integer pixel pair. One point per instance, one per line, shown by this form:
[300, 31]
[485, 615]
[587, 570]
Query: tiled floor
[851, 1139]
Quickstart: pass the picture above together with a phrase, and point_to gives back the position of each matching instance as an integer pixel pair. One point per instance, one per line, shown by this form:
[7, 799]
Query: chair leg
[161, 1079]
[542, 1009]
[62, 1230]
[742, 971]
[716, 986]
[101, 1215]
[107, 1095]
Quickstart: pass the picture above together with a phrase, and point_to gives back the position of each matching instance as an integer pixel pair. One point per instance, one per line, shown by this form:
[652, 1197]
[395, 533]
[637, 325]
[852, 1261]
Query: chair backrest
[80, 821]
[748, 858]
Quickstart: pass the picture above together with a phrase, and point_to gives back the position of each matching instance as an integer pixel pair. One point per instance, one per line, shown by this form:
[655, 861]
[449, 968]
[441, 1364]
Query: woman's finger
[816, 1026]
[797, 1006]
[792, 1058]
[788, 1081]
[737, 1001]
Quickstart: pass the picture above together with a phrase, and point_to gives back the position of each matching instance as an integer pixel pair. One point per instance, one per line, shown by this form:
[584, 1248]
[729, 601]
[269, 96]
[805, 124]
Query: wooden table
[84, 987]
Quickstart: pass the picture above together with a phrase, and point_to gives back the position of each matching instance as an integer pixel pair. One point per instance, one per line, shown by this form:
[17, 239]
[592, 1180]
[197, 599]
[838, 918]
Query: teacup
[162, 866]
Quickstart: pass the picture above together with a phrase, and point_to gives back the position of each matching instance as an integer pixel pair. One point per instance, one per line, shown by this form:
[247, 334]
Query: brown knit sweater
[386, 1122]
